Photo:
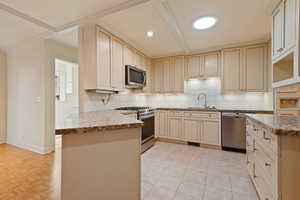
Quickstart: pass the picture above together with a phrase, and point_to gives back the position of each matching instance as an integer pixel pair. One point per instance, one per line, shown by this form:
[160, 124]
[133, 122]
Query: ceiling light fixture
[150, 34]
[204, 23]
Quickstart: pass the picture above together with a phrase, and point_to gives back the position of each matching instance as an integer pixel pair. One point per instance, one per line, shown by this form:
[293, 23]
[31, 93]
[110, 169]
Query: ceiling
[15, 29]
[239, 21]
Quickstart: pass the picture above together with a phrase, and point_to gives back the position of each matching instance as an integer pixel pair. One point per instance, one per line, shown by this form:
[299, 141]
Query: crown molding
[26, 17]
[96, 16]
[217, 48]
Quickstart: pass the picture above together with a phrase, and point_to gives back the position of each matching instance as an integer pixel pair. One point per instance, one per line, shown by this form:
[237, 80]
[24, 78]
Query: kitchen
[173, 101]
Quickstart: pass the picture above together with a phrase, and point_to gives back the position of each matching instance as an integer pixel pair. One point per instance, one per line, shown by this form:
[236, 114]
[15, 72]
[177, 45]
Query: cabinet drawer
[202, 115]
[269, 141]
[261, 185]
[268, 167]
[176, 113]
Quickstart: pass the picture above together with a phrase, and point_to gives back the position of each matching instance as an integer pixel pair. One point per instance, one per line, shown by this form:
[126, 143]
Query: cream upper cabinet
[245, 69]
[117, 66]
[168, 74]
[158, 76]
[211, 65]
[210, 133]
[166, 77]
[104, 59]
[178, 73]
[255, 66]
[149, 75]
[192, 129]
[193, 65]
[290, 7]
[278, 31]
[128, 56]
[231, 68]
[284, 28]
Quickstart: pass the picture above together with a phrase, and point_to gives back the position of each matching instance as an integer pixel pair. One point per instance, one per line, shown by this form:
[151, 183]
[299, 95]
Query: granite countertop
[99, 121]
[279, 125]
[217, 110]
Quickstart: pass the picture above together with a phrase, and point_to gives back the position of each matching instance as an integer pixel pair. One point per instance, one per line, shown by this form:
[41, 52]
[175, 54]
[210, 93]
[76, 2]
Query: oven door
[148, 128]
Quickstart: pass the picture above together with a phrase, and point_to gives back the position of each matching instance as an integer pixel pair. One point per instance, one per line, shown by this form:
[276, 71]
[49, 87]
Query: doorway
[66, 90]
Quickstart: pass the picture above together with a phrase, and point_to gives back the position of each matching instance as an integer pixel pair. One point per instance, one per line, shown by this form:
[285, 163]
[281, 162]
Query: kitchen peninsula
[100, 155]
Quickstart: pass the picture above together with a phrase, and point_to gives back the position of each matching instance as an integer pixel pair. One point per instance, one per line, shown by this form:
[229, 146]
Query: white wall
[26, 95]
[2, 97]
[31, 99]
[54, 50]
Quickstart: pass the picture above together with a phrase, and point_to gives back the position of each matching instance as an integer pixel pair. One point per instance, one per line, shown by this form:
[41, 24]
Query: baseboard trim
[2, 140]
[34, 148]
[175, 141]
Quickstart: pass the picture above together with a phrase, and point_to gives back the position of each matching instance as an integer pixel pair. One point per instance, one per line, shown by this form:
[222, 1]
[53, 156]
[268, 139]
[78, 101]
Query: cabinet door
[128, 57]
[290, 7]
[255, 64]
[172, 75]
[179, 74]
[117, 67]
[231, 69]
[158, 76]
[163, 124]
[210, 133]
[103, 61]
[175, 128]
[194, 66]
[166, 76]
[192, 130]
[277, 36]
[157, 123]
[211, 65]
[149, 75]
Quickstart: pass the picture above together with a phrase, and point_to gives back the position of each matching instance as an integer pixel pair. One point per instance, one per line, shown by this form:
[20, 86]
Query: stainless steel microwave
[134, 77]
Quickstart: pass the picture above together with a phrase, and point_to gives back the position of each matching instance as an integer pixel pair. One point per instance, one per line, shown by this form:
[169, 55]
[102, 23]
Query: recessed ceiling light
[204, 23]
[150, 33]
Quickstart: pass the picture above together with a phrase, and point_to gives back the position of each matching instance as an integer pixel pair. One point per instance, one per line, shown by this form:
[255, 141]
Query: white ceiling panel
[14, 29]
[238, 21]
[133, 23]
[60, 12]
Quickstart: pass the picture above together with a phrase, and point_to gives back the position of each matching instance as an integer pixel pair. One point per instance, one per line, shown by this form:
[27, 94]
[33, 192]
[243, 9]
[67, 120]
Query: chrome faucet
[205, 99]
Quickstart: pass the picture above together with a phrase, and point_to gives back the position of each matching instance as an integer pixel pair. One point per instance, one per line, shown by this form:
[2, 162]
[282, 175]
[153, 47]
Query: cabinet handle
[267, 164]
[266, 138]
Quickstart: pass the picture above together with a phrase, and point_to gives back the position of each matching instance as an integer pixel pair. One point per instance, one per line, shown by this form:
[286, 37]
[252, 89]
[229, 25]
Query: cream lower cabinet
[189, 126]
[273, 163]
[210, 133]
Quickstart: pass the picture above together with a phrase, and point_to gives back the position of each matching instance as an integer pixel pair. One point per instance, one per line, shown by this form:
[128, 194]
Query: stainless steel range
[145, 114]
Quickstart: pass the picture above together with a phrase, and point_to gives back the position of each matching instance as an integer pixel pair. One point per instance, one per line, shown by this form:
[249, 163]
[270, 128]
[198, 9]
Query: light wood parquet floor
[25, 175]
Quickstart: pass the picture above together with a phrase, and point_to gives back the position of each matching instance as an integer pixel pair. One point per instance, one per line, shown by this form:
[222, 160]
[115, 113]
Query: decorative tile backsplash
[211, 87]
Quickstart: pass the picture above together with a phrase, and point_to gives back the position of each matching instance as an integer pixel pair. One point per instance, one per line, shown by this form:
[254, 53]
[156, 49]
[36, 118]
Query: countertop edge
[98, 128]
[219, 110]
[275, 131]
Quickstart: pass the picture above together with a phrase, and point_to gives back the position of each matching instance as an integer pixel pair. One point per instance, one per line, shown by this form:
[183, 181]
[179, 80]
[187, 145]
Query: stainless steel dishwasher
[234, 132]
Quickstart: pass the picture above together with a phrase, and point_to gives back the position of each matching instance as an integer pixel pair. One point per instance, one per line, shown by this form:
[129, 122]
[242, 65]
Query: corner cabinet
[245, 69]
[284, 28]
[101, 57]
[199, 127]
[168, 75]
[203, 66]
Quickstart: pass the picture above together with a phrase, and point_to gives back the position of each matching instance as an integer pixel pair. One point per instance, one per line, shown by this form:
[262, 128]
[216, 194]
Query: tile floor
[181, 172]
